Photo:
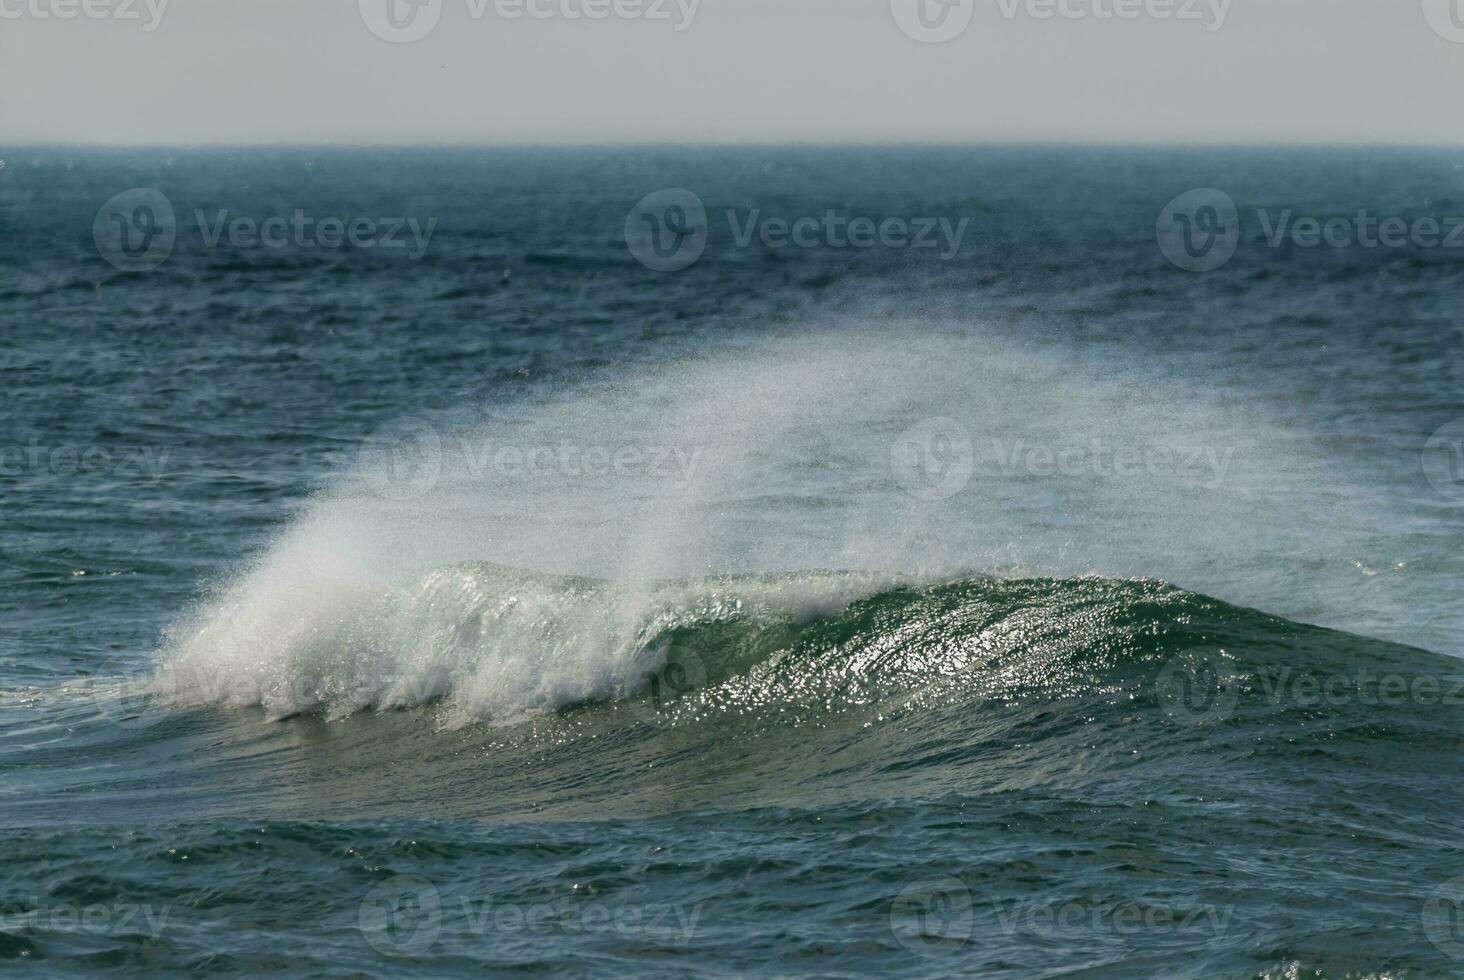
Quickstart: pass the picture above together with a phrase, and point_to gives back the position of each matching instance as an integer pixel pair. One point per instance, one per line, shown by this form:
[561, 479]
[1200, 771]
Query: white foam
[777, 459]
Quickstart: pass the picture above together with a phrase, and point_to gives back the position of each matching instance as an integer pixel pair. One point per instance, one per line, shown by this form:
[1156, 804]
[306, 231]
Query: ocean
[1012, 561]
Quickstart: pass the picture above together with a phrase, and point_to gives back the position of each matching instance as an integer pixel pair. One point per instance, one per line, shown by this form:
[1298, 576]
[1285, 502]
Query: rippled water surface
[496, 604]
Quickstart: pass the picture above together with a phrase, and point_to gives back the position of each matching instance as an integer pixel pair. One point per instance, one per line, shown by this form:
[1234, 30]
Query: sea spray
[423, 574]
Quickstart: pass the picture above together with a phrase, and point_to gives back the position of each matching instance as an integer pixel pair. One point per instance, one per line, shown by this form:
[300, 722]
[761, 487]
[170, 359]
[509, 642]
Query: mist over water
[854, 459]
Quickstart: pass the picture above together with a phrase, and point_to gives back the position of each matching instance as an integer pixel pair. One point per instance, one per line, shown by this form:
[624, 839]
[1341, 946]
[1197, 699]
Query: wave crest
[497, 644]
[494, 643]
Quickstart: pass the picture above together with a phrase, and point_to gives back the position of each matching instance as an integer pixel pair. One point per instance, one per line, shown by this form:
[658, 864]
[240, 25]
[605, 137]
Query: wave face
[974, 685]
[664, 610]
[555, 641]
[1082, 769]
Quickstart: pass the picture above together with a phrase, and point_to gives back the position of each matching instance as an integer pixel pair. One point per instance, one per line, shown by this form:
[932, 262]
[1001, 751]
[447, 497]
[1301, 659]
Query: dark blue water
[478, 597]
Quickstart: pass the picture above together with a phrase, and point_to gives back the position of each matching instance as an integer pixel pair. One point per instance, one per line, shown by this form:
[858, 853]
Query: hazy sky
[516, 71]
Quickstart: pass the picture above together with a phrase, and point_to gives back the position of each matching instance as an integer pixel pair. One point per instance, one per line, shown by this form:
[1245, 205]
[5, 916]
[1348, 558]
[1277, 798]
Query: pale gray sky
[699, 71]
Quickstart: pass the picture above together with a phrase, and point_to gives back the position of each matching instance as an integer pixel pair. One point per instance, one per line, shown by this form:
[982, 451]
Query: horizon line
[730, 145]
